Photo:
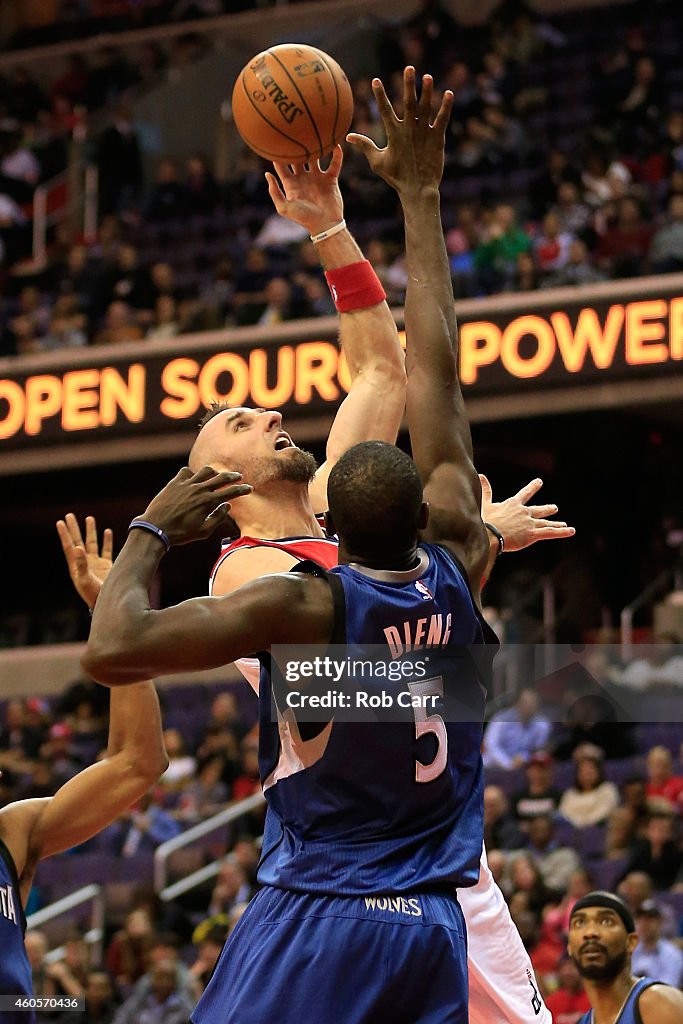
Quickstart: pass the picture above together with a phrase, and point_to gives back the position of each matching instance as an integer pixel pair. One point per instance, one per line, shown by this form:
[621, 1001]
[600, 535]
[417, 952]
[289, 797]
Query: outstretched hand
[413, 159]
[192, 505]
[88, 565]
[521, 524]
[307, 194]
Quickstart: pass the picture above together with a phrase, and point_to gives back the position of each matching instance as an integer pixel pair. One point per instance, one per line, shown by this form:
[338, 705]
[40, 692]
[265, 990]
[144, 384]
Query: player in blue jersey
[33, 829]
[602, 937]
[370, 827]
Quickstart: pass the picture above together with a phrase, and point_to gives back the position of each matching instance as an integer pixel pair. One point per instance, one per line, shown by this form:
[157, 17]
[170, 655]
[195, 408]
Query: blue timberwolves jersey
[15, 971]
[385, 806]
[630, 1013]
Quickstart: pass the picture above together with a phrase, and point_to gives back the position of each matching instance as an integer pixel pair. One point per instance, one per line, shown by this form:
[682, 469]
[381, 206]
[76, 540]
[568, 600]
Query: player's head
[251, 442]
[375, 499]
[602, 936]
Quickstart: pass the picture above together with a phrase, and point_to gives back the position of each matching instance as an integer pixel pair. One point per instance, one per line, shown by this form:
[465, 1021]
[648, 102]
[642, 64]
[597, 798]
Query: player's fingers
[206, 473]
[409, 93]
[554, 532]
[386, 111]
[80, 562]
[282, 170]
[231, 491]
[275, 189]
[91, 535]
[541, 511]
[424, 105]
[443, 115]
[222, 479]
[336, 162]
[108, 545]
[65, 538]
[364, 144]
[486, 489]
[528, 491]
[73, 528]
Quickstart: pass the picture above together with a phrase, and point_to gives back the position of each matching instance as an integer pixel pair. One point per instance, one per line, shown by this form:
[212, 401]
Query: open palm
[88, 564]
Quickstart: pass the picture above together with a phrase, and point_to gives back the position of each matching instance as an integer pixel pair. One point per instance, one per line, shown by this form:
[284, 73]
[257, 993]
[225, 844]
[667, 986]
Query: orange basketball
[292, 103]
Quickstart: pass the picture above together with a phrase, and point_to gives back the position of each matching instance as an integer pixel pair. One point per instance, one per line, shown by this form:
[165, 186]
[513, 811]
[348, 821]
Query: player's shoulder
[661, 1004]
[17, 821]
[248, 563]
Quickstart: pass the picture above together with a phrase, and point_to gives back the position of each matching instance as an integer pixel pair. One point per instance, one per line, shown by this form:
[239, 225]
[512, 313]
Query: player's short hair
[213, 409]
[375, 496]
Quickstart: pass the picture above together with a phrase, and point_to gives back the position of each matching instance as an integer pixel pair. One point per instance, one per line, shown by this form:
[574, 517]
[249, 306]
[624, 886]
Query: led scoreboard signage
[532, 343]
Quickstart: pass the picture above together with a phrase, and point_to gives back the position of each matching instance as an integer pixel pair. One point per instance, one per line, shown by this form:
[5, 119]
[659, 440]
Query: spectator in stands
[634, 797]
[539, 796]
[161, 1001]
[515, 734]
[574, 214]
[67, 327]
[592, 798]
[569, 1001]
[127, 954]
[556, 863]
[144, 827]
[552, 245]
[624, 246]
[501, 831]
[166, 323]
[109, 75]
[181, 765]
[620, 833]
[246, 853]
[72, 83]
[282, 302]
[496, 257]
[666, 251]
[26, 98]
[662, 785]
[70, 974]
[557, 917]
[208, 950]
[654, 956]
[592, 719]
[119, 325]
[524, 884]
[59, 752]
[36, 950]
[119, 163]
[658, 853]
[168, 199]
[248, 782]
[100, 1001]
[205, 795]
[231, 889]
[201, 189]
[577, 270]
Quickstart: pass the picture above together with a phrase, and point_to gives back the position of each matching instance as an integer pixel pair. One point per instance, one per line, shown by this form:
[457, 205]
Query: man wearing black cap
[602, 937]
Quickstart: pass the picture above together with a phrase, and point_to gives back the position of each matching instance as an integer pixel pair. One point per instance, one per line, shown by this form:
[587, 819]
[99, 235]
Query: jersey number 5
[434, 724]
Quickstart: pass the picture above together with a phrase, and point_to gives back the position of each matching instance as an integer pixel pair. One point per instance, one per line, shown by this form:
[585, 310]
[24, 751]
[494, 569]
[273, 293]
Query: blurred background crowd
[571, 804]
[564, 167]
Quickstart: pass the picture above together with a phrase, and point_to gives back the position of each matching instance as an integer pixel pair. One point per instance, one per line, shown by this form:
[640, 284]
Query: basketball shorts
[502, 984]
[297, 957]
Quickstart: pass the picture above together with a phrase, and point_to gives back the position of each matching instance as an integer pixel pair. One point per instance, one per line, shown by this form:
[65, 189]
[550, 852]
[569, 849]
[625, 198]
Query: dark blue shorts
[297, 958]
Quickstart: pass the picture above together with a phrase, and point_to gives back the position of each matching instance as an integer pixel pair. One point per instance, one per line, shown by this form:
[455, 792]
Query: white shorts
[502, 983]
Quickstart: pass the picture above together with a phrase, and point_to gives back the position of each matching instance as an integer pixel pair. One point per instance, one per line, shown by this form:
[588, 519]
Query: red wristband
[355, 286]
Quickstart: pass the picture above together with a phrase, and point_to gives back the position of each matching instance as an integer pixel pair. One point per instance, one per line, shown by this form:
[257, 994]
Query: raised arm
[128, 639]
[373, 409]
[412, 163]
[135, 757]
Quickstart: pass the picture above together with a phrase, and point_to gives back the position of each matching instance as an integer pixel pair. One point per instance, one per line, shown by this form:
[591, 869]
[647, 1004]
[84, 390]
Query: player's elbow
[102, 661]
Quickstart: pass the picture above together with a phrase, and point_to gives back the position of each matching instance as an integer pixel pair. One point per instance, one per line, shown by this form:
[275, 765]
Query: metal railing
[80, 183]
[93, 936]
[668, 578]
[164, 851]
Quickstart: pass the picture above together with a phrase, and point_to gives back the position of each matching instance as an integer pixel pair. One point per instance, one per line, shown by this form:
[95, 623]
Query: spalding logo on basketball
[292, 103]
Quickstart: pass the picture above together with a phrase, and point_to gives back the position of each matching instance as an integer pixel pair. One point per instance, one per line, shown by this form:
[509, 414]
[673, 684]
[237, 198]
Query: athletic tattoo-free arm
[412, 163]
[374, 406]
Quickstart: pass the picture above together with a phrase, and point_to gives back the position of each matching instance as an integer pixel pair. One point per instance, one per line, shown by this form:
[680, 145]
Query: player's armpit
[247, 564]
[456, 522]
[661, 1004]
[16, 823]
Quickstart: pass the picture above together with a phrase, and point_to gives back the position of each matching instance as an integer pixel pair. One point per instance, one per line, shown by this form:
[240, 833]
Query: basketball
[292, 103]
